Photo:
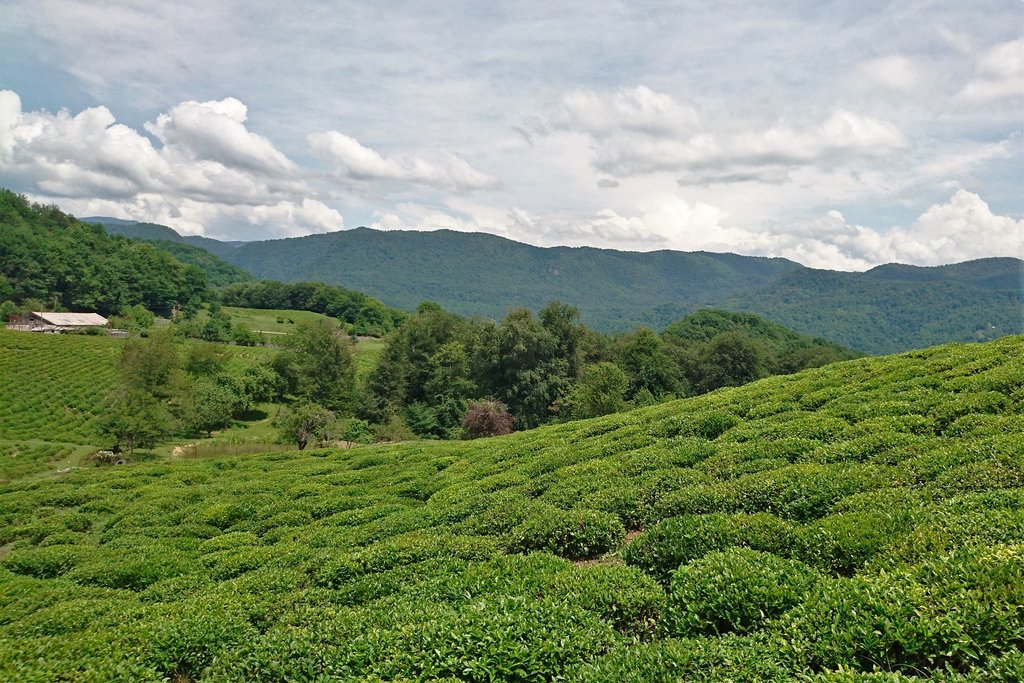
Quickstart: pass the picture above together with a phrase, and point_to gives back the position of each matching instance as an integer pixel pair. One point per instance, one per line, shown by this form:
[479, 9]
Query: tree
[642, 356]
[205, 358]
[448, 387]
[600, 390]
[487, 418]
[518, 362]
[135, 418]
[305, 422]
[147, 400]
[323, 363]
[730, 359]
[134, 319]
[561, 321]
[213, 405]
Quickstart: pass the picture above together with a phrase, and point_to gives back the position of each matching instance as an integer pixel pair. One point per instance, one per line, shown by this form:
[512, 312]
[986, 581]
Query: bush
[487, 418]
[842, 543]
[950, 612]
[501, 639]
[736, 590]
[622, 596]
[680, 540]
[574, 534]
[703, 660]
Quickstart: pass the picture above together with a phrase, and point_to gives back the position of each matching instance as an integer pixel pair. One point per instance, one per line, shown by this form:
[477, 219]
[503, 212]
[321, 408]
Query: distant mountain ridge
[887, 309]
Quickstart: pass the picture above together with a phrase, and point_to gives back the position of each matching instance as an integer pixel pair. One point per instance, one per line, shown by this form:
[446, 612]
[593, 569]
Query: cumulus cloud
[638, 110]
[999, 74]
[216, 131]
[358, 162]
[209, 170]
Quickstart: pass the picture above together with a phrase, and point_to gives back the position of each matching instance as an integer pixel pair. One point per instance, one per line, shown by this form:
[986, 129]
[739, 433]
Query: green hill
[861, 521]
[53, 259]
[896, 307]
[887, 309]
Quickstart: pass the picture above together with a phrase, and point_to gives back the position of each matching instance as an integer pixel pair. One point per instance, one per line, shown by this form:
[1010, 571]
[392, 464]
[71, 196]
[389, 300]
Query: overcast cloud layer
[840, 135]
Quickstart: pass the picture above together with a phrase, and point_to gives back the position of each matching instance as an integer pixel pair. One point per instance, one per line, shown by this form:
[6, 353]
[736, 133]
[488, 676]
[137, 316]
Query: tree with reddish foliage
[487, 418]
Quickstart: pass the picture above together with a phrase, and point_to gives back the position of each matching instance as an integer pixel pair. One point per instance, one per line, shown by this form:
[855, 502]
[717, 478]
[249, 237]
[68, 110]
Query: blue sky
[840, 135]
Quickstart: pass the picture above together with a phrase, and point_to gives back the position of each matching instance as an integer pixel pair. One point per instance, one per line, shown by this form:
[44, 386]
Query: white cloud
[639, 110]
[216, 131]
[356, 161]
[209, 172]
[999, 74]
[639, 131]
[895, 73]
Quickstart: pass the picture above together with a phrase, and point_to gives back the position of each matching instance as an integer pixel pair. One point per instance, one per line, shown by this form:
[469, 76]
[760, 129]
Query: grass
[271, 321]
[864, 518]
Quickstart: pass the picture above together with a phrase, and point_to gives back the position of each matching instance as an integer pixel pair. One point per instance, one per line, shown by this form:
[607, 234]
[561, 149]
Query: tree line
[548, 367]
[444, 376]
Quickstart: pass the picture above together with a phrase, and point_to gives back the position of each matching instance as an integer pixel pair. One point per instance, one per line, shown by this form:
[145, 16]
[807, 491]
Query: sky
[841, 135]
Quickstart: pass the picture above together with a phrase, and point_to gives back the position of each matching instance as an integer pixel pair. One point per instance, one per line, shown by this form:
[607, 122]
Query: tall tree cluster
[549, 367]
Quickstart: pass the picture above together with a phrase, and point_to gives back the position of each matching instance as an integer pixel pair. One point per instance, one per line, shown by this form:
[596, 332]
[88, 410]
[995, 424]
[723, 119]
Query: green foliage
[306, 422]
[831, 526]
[642, 356]
[952, 612]
[575, 534]
[48, 255]
[736, 590]
[601, 390]
[323, 365]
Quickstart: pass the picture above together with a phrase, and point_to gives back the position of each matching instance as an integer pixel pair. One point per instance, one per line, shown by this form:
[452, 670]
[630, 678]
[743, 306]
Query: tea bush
[734, 591]
[852, 522]
[575, 534]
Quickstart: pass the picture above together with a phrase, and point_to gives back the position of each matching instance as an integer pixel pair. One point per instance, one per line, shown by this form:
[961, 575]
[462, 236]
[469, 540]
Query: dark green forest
[884, 310]
[50, 257]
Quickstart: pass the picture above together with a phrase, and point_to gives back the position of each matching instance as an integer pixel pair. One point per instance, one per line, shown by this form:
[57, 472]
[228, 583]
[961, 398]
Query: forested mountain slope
[887, 309]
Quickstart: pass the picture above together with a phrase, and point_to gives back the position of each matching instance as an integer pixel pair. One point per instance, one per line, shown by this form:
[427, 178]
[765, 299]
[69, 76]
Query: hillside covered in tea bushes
[865, 517]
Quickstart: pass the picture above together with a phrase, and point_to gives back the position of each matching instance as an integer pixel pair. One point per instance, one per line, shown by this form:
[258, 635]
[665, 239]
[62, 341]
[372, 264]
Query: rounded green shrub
[575, 534]
[951, 612]
[734, 591]
[702, 660]
[623, 596]
[680, 540]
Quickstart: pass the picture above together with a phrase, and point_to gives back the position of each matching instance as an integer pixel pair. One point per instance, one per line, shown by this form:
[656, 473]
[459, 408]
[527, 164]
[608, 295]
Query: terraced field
[53, 385]
[863, 521]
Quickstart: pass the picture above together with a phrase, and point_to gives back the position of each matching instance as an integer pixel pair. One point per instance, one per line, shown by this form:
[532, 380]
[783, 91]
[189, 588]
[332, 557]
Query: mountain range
[887, 309]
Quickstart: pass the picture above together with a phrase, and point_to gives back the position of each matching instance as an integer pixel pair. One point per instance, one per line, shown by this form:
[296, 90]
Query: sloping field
[864, 517]
[52, 390]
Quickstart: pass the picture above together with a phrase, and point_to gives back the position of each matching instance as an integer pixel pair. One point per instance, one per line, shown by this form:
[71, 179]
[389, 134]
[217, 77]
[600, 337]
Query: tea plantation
[52, 393]
[859, 522]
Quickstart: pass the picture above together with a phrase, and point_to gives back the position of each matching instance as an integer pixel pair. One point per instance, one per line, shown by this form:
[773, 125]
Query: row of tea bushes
[839, 524]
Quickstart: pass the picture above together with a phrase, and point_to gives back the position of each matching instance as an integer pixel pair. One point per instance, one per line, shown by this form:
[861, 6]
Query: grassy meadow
[862, 521]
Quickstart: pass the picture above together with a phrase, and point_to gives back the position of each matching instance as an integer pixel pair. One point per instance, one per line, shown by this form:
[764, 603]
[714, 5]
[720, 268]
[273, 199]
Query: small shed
[53, 322]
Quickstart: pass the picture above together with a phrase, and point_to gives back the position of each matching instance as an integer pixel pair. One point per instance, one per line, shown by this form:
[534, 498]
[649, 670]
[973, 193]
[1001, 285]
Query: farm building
[47, 321]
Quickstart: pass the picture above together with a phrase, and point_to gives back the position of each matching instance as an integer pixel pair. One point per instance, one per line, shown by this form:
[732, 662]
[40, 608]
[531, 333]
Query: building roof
[71, 319]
